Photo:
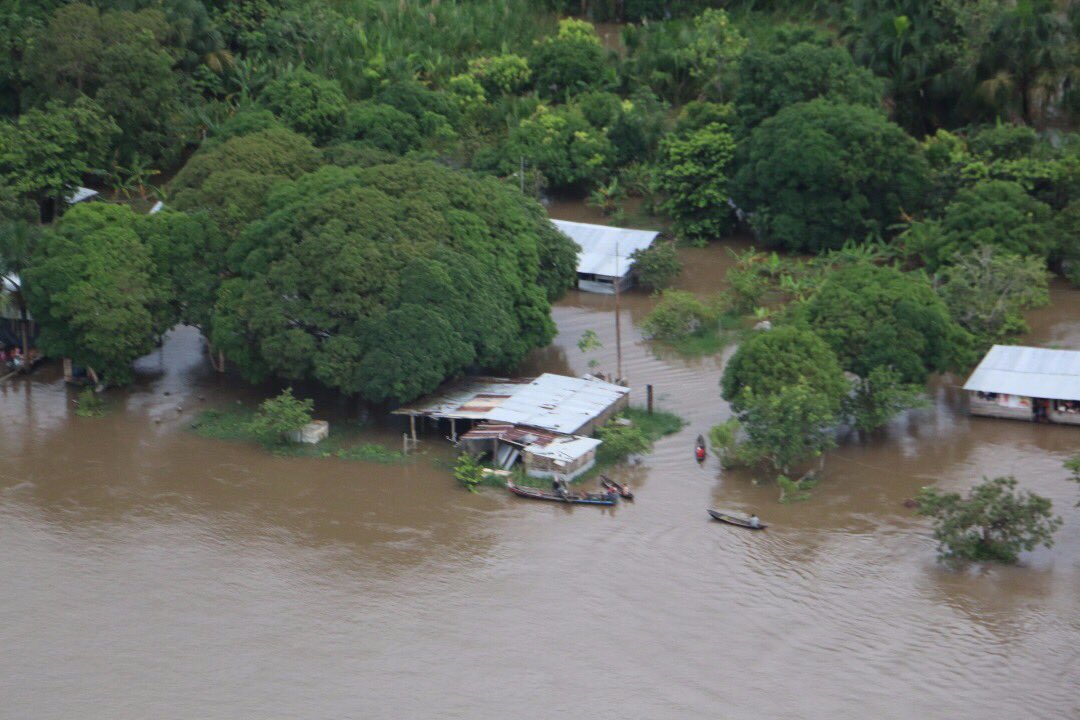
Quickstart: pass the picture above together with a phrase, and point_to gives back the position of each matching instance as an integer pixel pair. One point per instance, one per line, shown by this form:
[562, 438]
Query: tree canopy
[95, 292]
[773, 78]
[773, 359]
[875, 316]
[230, 180]
[820, 173]
[385, 281]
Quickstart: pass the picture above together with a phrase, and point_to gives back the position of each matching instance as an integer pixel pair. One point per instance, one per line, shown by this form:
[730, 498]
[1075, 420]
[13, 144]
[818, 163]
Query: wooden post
[453, 431]
[69, 375]
[648, 398]
[412, 426]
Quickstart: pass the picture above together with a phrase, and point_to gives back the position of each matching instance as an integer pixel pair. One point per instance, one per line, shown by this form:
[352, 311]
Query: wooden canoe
[622, 488]
[736, 518]
[570, 498]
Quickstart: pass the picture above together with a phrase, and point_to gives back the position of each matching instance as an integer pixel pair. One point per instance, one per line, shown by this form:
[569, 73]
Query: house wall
[543, 467]
[600, 420]
[1012, 407]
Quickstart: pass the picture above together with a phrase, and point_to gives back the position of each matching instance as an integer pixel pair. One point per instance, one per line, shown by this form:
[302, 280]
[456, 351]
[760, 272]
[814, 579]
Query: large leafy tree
[791, 425]
[774, 359]
[692, 172]
[387, 280]
[562, 144]
[994, 522]
[773, 77]
[95, 292]
[818, 174]
[880, 317]
[231, 179]
[47, 152]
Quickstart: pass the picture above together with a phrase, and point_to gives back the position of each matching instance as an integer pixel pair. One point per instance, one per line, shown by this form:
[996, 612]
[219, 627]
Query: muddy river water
[146, 572]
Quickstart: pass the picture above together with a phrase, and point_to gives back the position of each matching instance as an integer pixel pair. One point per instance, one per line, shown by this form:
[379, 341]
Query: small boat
[700, 450]
[604, 498]
[622, 488]
[736, 518]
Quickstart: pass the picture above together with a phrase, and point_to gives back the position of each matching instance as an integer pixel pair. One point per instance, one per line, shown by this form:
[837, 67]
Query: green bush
[657, 266]
[469, 472]
[678, 314]
[279, 416]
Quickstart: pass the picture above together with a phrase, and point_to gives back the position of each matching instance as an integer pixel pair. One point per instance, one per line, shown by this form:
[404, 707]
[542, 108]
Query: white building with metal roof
[1027, 383]
[604, 258]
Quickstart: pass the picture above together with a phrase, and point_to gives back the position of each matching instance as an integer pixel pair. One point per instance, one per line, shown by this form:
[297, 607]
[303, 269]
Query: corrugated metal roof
[564, 449]
[598, 244]
[1029, 372]
[81, 194]
[550, 402]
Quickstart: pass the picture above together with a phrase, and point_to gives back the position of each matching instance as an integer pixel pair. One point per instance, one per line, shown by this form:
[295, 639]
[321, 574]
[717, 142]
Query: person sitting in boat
[559, 486]
[755, 521]
[699, 451]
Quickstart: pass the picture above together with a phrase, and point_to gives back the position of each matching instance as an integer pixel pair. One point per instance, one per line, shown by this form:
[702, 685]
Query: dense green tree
[562, 144]
[385, 281]
[94, 291]
[819, 173]
[308, 103]
[996, 213]
[188, 251]
[46, 153]
[692, 173]
[19, 234]
[773, 359]
[1067, 234]
[571, 61]
[230, 180]
[994, 522]
[770, 79]
[880, 317]
[678, 313]
[987, 290]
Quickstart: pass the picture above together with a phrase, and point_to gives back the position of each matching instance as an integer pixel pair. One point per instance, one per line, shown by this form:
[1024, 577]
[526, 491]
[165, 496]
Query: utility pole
[618, 325]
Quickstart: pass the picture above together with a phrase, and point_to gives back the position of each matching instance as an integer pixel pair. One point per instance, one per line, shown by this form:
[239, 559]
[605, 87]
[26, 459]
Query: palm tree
[1026, 59]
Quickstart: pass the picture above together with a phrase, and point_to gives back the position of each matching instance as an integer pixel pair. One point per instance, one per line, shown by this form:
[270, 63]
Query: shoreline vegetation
[234, 424]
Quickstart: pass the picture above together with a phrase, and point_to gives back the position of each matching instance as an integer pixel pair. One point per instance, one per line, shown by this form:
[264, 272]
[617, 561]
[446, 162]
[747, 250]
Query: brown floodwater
[148, 572]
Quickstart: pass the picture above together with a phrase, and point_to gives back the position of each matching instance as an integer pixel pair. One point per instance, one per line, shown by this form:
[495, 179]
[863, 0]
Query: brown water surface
[150, 573]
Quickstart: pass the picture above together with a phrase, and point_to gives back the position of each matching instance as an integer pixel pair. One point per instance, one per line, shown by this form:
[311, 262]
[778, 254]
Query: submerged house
[604, 259]
[1027, 383]
[543, 422]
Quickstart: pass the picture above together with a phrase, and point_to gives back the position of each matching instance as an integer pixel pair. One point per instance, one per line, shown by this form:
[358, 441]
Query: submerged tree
[994, 522]
[278, 416]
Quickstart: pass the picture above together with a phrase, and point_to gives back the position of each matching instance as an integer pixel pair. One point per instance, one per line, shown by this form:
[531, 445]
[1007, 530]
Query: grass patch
[372, 452]
[656, 424]
[234, 425]
[89, 404]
